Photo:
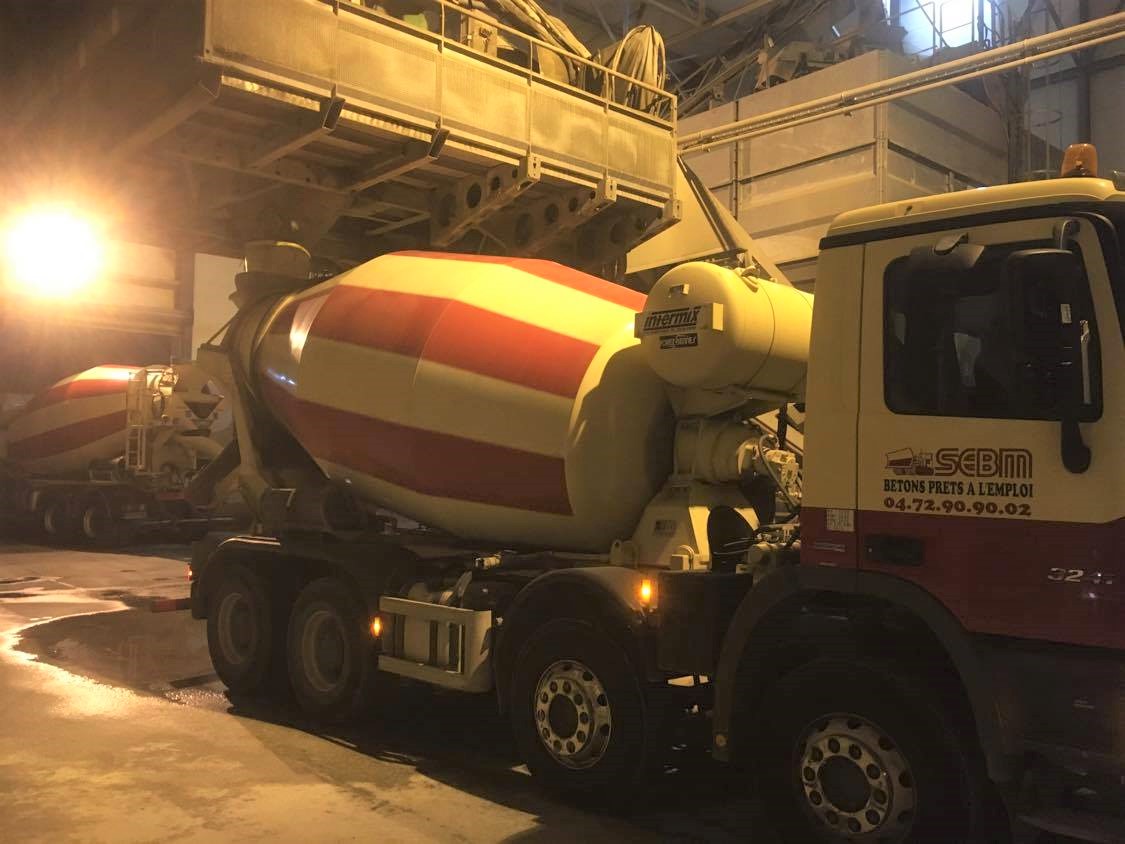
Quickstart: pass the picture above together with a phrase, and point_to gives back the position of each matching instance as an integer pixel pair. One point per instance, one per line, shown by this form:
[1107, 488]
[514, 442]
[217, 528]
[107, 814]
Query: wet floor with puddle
[85, 616]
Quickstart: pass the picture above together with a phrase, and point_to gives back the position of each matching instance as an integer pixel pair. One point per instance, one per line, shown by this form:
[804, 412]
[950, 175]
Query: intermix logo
[673, 319]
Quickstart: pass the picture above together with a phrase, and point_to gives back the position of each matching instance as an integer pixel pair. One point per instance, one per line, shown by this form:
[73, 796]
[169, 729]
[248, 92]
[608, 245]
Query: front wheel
[859, 752]
[579, 712]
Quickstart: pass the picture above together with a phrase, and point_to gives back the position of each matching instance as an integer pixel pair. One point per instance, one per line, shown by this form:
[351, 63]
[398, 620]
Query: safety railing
[453, 25]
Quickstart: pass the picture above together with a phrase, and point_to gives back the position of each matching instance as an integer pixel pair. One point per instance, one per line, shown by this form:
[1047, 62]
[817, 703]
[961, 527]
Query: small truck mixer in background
[505, 476]
[105, 454]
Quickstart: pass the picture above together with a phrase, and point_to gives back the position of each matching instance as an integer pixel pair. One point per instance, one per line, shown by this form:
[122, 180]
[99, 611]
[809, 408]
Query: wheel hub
[238, 632]
[572, 714]
[562, 716]
[324, 651]
[855, 779]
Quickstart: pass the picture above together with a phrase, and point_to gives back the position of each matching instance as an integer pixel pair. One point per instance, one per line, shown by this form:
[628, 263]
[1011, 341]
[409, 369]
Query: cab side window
[959, 341]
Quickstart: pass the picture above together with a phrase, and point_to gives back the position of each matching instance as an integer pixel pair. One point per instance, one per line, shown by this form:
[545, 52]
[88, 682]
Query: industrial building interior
[166, 196]
[191, 187]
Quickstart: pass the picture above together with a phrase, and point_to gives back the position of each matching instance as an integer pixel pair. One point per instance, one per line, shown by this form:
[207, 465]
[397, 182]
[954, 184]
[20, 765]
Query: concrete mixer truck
[103, 455]
[499, 475]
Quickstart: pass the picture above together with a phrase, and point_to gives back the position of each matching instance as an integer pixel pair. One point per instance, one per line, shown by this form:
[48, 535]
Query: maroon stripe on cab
[67, 437]
[1009, 576]
[427, 462]
[549, 270]
[83, 389]
[456, 334]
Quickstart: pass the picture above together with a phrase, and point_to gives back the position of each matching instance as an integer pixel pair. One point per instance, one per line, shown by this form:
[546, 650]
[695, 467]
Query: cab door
[963, 485]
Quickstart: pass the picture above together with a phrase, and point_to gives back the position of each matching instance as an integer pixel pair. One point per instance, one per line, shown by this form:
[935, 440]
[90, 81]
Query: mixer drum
[78, 420]
[501, 399]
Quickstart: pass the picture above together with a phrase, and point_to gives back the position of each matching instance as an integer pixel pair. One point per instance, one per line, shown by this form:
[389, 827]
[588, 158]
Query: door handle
[896, 550]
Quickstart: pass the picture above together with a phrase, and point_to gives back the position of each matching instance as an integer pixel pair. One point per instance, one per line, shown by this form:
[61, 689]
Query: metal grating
[567, 127]
[400, 67]
[291, 39]
[484, 100]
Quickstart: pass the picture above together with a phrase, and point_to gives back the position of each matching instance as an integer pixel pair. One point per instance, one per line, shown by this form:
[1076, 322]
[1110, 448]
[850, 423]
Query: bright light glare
[52, 253]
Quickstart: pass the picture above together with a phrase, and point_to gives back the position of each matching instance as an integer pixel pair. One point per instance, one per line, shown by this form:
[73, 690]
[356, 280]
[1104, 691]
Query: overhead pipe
[1080, 37]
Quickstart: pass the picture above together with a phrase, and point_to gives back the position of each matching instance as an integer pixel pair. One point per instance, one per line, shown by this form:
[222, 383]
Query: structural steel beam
[414, 154]
[203, 91]
[223, 155]
[307, 131]
[720, 21]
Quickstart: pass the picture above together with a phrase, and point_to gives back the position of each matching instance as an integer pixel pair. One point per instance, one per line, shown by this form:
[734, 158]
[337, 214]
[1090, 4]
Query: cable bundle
[640, 55]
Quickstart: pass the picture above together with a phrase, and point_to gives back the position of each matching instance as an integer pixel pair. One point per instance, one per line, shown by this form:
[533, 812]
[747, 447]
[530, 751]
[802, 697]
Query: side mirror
[1052, 340]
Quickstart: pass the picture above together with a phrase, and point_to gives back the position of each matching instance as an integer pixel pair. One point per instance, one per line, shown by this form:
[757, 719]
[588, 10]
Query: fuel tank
[501, 399]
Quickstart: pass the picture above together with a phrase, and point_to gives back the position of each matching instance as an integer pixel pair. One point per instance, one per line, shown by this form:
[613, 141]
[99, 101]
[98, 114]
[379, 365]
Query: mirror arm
[1065, 232]
[1084, 339]
[1075, 452]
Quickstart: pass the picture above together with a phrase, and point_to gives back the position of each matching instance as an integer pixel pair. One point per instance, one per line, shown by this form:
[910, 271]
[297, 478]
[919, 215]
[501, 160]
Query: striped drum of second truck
[75, 421]
[499, 399]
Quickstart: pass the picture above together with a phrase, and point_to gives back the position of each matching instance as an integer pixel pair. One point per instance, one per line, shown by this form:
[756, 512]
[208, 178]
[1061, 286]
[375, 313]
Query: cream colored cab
[962, 481]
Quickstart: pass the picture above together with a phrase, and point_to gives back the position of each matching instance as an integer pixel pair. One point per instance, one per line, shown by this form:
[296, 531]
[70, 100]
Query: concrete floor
[113, 728]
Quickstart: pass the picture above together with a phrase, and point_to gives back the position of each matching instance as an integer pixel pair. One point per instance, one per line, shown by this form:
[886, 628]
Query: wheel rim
[572, 714]
[238, 629]
[855, 780]
[324, 651]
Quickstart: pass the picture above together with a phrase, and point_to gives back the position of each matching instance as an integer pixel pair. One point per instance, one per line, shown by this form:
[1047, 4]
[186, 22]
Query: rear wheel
[579, 712]
[854, 753]
[56, 519]
[96, 524]
[331, 652]
[242, 634]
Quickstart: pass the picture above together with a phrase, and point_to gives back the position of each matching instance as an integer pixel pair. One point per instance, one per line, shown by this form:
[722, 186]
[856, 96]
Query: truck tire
[579, 713]
[849, 752]
[97, 526]
[243, 636]
[331, 653]
[56, 520]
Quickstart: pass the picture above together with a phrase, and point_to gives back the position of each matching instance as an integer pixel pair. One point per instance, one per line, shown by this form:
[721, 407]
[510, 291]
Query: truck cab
[965, 466]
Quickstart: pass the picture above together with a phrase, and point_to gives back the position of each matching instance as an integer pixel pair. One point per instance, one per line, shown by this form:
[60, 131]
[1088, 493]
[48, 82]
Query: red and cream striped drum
[503, 399]
[78, 420]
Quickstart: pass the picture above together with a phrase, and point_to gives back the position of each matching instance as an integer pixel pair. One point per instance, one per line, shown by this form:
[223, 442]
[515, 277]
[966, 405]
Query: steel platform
[214, 122]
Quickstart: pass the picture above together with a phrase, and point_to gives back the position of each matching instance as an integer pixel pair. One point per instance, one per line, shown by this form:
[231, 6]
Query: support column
[184, 301]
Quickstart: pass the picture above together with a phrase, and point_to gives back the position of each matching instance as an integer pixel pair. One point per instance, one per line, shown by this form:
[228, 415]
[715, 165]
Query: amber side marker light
[376, 627]
[1080, 160]
[646, 592]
